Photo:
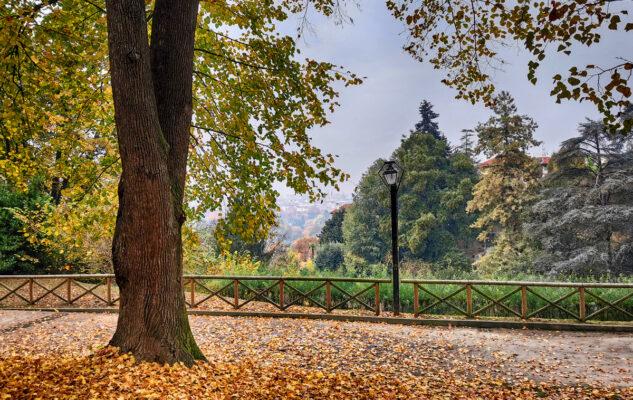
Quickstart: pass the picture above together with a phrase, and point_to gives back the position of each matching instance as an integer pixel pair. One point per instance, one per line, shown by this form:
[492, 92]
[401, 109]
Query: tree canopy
[211, 107]
[332, 231]
[254, 99]
[582, 219]
[432, 200]
[509, 179]
[511, 174]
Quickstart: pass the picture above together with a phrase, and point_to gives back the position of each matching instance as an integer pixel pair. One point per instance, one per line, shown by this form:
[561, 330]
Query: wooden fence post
[31, 291]
[469, 301]
[377, 299]
[192, 288]
[68, 290]
[328, 297]
[281, 294]
[416, 297]
[582, 305]
[109, 290]
[236, 294]
[524, 310]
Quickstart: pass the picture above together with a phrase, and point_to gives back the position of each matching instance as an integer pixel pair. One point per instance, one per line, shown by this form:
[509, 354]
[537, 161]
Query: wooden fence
[282, 293]
[523, 300]
[582, 302]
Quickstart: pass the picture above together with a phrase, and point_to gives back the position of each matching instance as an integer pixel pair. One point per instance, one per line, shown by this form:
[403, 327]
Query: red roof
[344, 207]
[488, 163]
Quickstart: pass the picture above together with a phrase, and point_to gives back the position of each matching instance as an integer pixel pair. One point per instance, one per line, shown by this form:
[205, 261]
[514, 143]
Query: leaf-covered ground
[57, 355]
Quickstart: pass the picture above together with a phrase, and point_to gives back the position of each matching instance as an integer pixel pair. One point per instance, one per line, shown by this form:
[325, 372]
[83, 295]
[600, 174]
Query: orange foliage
[107, 374]
[302, 246]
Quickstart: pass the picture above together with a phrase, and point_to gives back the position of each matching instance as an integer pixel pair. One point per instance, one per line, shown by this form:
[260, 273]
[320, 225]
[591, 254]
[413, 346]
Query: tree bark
[151, 86]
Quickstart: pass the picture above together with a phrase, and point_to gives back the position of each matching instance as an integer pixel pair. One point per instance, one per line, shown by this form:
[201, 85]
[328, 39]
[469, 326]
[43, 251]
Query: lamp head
[391, 173]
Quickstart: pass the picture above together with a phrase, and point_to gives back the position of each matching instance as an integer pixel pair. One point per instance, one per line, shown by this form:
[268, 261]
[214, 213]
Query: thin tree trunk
[152, 114]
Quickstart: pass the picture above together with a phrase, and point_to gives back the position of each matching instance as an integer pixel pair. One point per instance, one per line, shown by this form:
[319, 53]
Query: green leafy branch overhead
[255, 98]
[464, 38]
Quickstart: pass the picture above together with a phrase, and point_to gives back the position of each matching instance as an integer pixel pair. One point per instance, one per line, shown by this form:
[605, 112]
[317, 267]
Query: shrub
[22, 248]
[17, 254]
[329, 257]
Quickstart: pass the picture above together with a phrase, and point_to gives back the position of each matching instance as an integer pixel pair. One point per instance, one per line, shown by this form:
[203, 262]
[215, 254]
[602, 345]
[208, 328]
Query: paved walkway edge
[473, 323]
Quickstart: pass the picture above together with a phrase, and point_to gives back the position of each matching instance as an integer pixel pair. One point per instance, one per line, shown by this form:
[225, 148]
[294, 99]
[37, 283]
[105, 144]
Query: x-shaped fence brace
[88, 290]
[553, 303]
[499, 302]
[609, 304]
[68, 282]
[52, 291]
[440, 300]
[495, 301]
[212, 292]
[15, 291]
[305, 296]
[267, 295]
[262, 294]
[259, 294]
[351, 297]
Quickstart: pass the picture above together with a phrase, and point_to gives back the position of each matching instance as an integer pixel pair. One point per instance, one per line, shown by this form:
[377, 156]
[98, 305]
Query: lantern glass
[391, 176]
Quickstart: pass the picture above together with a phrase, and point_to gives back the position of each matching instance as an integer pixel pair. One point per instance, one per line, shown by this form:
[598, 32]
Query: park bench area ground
[41, 352]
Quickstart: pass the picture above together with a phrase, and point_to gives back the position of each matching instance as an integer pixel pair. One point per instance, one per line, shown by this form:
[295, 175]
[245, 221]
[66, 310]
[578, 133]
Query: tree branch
[234, 60]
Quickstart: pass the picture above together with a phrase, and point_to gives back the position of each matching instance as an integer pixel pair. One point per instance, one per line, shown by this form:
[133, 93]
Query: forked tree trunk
[151, 86]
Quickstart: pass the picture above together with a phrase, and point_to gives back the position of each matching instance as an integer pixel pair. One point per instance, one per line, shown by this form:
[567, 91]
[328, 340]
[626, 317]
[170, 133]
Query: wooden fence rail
[582, 302]
[67, 288]
[524, 300]
[236, 291]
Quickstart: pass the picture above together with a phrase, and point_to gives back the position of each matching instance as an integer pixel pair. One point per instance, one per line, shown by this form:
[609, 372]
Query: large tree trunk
[152, 103]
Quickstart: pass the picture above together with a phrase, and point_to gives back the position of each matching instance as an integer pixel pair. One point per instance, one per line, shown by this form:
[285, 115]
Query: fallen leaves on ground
[255, 358]
[106, 374]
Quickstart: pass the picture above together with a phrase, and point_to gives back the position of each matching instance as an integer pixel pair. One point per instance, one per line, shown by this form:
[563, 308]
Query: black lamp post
[391, 174]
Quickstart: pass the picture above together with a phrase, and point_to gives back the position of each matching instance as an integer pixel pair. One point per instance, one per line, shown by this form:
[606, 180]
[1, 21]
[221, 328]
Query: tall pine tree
[428, 124]
[583, 218]
[432, 200]
[509, 180]
[332, 231]
[467, 144]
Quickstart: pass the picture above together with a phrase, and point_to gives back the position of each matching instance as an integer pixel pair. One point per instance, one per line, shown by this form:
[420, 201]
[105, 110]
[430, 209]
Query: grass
[479, 301]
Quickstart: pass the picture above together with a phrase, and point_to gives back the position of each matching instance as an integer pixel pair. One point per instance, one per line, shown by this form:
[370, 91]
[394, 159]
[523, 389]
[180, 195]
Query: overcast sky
[373, 116]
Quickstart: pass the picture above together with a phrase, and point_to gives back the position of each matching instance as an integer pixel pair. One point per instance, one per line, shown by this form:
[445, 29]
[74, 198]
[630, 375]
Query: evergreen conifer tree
[583, 217]
[432, 200]
[508, 183]
[332, 231]
[428, 124]
[467, 144]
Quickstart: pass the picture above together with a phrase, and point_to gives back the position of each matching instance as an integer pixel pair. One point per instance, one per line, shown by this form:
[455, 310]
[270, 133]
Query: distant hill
[299, 218]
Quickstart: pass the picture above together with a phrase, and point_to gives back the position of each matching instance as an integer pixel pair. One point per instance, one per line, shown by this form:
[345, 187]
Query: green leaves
[573, 81]
[56, 124]
[462, 38]
[255, 100]
[432, 200]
